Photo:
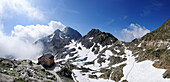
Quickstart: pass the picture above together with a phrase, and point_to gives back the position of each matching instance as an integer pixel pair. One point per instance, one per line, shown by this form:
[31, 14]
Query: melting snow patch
[145, 72]
[116, 49]
[91, 38]
[142, 71]
[139, 45]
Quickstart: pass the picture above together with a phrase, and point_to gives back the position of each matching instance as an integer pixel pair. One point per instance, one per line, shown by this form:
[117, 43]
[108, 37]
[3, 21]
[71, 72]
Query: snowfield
[145, 72]
[133, 71]
[142, 71]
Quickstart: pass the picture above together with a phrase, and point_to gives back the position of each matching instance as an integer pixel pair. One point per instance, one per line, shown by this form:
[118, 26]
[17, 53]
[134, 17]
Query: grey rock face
[4, 77]
[72, 33]
[96, 36]
[55, 42]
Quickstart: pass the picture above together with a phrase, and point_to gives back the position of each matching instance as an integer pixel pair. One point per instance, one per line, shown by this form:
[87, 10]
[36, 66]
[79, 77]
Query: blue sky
[113, 16]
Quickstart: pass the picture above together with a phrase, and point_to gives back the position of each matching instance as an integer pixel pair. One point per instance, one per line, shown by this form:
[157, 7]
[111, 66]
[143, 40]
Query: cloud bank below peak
[20, 44]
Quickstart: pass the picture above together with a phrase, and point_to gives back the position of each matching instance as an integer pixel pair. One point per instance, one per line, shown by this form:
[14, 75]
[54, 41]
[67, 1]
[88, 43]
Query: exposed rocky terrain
[99, 56]
[55, 42]
[154, 46]
[26, 70]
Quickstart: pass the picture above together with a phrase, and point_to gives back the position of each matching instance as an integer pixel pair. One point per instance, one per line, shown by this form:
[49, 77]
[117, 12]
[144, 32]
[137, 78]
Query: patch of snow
[139, 45]
[66, 58]
[71, 45]
[98, 74]
[116, 50]
[118, 64]
[60, 36]
[90, 38]
[130, 63]
[52, 36]
[111, 74]
[74, 79]
[56, 69]
[145, 72]
[35, 61]
[108, 53]
[105, 64]
[95, 66]
[11, 69]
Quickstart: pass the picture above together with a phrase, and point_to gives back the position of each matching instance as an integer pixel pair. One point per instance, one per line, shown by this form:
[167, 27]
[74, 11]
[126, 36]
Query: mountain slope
[162, 33]
[73, 34]
[95, 53]
[99, 56]
[155, 46]
[55, 42]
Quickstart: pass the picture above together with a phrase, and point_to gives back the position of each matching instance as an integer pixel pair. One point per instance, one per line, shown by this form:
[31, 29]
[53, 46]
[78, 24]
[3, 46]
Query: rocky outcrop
[4, 77]
[96, 36]
[73, 34]
[154, 46]
[24, 70]
[65, 72]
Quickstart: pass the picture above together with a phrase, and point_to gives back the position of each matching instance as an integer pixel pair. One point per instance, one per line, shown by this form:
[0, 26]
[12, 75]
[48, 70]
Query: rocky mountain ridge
[55, 42]
[99, 56]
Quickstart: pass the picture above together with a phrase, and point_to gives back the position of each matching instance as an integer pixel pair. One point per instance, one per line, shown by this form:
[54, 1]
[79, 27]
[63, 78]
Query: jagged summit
[56, 41]
[57, 31]
[72, 33]
[94, 32]
[97, 32]
[96, 36]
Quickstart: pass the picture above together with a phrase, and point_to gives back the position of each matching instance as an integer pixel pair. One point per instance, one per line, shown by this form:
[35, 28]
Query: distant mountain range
[101, 57]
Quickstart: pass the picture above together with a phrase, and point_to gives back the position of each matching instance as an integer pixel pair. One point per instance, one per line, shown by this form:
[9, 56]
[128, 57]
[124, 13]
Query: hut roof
[48, 56]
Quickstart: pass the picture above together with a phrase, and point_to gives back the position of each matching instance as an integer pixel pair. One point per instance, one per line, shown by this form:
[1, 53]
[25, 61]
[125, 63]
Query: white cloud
[24, 7]
[13, 46]
[136, 31]
[35, 32]
[21, 43]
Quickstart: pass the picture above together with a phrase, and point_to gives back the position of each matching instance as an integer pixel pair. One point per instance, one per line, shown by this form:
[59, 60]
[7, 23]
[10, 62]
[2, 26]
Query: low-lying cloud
[17, 48]
[133, 31]
[20, 44]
